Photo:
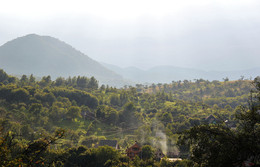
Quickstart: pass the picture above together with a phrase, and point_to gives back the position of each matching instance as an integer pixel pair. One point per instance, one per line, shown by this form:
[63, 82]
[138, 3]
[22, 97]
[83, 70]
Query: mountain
[167, 74]
[44, 55]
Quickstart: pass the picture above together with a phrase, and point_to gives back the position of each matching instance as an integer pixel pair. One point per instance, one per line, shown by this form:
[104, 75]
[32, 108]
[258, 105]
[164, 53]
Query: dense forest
[61, 122]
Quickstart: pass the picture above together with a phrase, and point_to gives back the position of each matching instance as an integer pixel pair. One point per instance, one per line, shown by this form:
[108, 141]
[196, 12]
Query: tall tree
[74, 112]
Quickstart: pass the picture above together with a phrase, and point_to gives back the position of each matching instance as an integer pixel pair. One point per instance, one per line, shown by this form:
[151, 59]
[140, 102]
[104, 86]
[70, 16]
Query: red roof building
[134, 150]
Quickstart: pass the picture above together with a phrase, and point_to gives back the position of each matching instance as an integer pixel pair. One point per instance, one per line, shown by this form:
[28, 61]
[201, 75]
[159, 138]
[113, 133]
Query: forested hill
[44, 55]
[211, 93]
[30, 111]
[166, 74]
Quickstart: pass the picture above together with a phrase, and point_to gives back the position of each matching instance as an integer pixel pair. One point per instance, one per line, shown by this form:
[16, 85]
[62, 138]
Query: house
[173, 154]
[211, 120]
[134, 150]
[230, 124]
[112, 143]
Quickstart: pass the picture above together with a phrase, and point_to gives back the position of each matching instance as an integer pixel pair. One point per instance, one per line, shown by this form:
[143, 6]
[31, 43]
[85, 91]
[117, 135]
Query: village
[136, 150]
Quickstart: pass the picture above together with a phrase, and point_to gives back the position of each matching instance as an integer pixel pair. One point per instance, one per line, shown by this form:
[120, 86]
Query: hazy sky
[204, 34]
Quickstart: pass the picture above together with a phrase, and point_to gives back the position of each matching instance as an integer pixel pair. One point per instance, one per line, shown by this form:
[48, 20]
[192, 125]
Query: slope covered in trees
[219, 145]
[66, 118]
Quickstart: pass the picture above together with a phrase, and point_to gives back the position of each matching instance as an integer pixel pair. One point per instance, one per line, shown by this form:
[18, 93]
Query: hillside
[167, 74]
[44, 55]
[87, 114]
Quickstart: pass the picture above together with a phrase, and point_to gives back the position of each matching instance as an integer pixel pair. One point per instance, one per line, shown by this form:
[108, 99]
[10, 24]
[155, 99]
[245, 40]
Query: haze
[203, 34]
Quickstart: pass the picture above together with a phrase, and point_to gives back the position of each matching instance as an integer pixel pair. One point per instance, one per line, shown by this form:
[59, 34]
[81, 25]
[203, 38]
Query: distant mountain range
[167, 74]
[44, 55]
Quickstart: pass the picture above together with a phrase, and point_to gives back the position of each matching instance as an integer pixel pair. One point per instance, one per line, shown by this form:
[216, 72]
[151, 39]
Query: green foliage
[105, 153]
[3, 75]
[74, 112]
[81, 97]
[219, 145]
[166, 163]
[13, 94]
[128, 115]
[93, 83]
[166, 118]
[35, 108]
[108, 114]
[101, 156]
[114, 100]
[46, 81]
[20, 95]
[31, 79]
[152, 115]
[147, 152]
[14, 153]
[5, 78]
[82, 82]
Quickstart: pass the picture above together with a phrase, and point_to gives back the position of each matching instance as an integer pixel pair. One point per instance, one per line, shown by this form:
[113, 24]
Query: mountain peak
[45, 55]
[32, 35]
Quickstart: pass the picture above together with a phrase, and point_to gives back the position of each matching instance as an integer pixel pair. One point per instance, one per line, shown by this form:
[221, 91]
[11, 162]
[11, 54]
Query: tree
[3, 75]
[105, 153]
[111, 116]
[93, 83]
[32, 154]
[166, 118]
[74, 112]
[56, 113]
[226, 79]
[24, 80]
[97, 157]
[60, 81]
[32, 79]
[48, 98]
[123, 98]
[218, 145]
[20, 95]
[35, 108]
[100, 112]
[147, 152]
[45, 81]
[82, 82]
[79, 157]
[6, 144]
[114, 100]
[128, 114]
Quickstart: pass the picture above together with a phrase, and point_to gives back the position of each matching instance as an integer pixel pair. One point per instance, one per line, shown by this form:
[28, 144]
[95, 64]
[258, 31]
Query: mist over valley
[130, 83]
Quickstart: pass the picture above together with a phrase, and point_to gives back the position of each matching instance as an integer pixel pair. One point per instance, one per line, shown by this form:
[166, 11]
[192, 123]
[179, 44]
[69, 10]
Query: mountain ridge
[45, 55]
[167, 73]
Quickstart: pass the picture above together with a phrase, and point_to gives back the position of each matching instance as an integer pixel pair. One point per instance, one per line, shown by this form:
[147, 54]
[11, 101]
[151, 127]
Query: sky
[215, 35]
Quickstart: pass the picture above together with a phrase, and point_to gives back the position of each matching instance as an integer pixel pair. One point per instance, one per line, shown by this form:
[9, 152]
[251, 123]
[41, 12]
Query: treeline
[223, 93]
[220, 145]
